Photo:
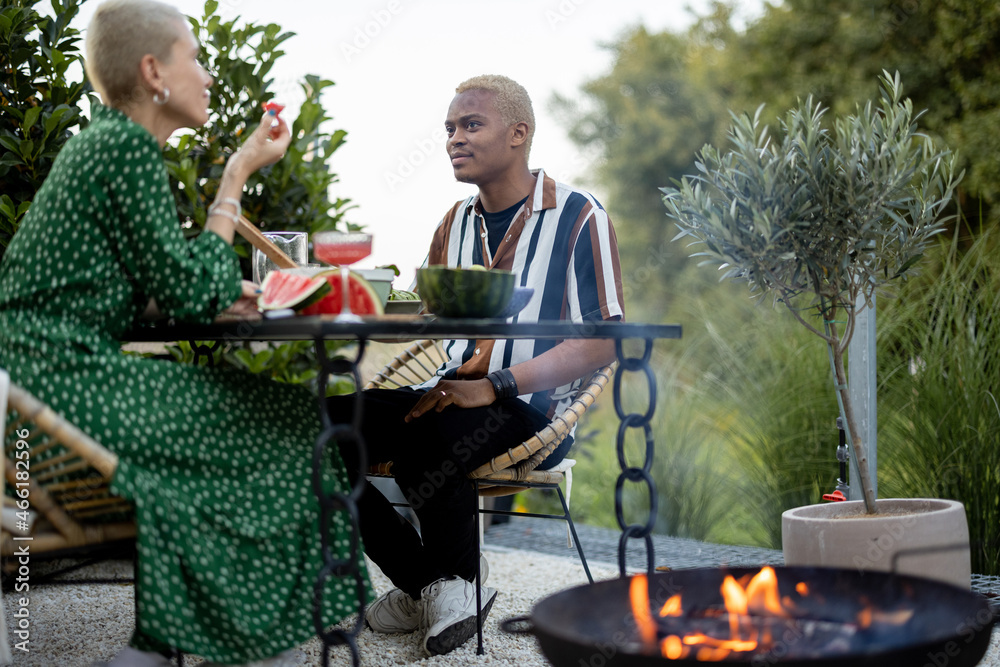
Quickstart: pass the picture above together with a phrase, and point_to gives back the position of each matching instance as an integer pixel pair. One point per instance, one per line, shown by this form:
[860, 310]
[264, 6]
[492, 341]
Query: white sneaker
[449, 613]
[394, 612]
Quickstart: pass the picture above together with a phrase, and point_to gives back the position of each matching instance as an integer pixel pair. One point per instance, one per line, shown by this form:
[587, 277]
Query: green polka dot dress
[217, 462]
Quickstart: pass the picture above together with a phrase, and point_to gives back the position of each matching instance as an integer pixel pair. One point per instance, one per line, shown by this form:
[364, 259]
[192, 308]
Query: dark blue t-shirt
[497, 224]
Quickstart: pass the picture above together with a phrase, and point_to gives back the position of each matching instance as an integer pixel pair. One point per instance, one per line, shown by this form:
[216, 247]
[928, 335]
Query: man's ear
[519, 134]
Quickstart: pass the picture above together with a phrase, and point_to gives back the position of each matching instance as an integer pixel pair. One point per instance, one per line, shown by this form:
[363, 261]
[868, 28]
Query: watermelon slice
[273, 106]
[364, 299]
[282, 290]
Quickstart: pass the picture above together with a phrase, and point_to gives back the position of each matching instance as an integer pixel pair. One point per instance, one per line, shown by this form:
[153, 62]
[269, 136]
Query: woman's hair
[511, 101]
[120, 33]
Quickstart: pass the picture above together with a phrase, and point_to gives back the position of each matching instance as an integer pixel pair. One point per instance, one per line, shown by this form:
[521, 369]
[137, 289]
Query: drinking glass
[294, 244]
[342, 249]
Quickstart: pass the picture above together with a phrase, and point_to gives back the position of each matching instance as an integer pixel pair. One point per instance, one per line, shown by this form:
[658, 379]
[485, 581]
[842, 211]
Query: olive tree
[820, 218]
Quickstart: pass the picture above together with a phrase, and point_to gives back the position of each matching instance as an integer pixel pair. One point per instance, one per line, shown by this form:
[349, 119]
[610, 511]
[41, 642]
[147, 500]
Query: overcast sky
[396, 64]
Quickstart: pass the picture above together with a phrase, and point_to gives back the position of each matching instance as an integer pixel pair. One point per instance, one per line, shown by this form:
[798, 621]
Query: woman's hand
[244, 307]
[265, 146]
[463, 393]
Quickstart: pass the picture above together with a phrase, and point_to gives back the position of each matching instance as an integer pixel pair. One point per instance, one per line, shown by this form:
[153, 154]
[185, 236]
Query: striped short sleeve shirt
[561, 243]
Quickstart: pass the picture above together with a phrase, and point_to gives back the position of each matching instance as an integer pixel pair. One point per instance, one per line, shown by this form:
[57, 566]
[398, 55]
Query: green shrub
[745, 430]
[41, 110]
[39, 103]
[773, 409]
[291, 195]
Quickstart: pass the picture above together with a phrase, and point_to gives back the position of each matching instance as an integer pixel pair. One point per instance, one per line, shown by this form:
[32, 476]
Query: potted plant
[822, 217]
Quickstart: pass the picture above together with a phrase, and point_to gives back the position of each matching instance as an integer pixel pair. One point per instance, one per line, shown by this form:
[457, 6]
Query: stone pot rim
[838, 510]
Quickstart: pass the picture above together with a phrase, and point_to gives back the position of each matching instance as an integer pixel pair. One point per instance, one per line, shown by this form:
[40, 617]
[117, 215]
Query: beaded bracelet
[504, 385]
[215, 210]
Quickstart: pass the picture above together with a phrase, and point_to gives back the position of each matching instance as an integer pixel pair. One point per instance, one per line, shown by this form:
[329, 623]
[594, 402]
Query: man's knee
[431, 480]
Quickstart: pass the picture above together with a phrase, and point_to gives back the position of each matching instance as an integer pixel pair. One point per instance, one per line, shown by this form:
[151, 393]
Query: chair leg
[479, 575]
[480, 524]
[576, 538]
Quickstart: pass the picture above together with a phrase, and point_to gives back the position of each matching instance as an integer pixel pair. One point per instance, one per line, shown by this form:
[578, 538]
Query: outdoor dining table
[398, 328]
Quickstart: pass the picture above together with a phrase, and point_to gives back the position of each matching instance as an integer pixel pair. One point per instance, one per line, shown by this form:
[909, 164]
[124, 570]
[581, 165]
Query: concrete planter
[842, 535]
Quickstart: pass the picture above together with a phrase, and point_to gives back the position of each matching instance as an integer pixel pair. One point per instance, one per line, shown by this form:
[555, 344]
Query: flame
[672, 607]
[762, 594]
[639, 595]
[673, 648]
[748, 602]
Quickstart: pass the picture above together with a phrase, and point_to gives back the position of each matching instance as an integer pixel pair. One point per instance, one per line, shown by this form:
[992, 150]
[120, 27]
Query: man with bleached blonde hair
[489, 395]
[510, 99]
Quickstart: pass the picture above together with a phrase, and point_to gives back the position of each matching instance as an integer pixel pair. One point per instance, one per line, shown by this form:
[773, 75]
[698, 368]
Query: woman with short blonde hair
[120, 34]
[217, 462]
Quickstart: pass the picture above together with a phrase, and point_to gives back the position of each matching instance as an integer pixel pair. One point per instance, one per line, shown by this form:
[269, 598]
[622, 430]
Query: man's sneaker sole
[458, 633]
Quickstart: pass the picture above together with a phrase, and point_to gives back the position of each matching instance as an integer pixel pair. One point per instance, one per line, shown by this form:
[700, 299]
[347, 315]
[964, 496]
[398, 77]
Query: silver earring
[162, 100]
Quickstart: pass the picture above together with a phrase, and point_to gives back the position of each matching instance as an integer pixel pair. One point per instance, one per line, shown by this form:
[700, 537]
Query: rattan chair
[66, 475]
[516, 469]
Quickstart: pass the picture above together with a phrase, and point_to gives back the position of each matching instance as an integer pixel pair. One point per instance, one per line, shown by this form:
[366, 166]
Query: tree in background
[932, 440]
[948, 52]
[668, 94]
[646, 118]
[39, 101]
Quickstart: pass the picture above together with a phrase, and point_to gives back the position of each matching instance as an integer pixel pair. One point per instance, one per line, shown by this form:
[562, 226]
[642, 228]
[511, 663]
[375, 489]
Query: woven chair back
[65, 476]
[499, 476]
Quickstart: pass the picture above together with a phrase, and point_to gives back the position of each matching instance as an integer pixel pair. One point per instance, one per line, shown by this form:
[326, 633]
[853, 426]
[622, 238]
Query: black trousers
[431, 457]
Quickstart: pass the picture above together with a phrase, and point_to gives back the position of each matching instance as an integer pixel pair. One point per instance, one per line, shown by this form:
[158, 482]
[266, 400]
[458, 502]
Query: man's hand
[463, 393]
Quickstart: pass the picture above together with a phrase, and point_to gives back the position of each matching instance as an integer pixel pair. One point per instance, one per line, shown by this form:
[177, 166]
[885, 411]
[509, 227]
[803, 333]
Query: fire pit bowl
[828, 617]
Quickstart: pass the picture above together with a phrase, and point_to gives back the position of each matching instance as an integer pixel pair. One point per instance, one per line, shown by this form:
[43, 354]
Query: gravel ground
[73, 626]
